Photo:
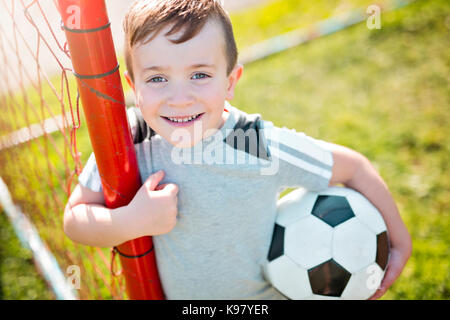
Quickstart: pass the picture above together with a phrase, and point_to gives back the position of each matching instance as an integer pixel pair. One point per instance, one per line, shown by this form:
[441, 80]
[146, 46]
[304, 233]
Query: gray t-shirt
[229, 185]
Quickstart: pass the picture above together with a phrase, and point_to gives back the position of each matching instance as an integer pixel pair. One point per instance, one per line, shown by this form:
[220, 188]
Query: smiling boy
[157, 72]
[211, 222]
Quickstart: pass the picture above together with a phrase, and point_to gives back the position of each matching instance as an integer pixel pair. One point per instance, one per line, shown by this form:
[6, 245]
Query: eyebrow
[194, 66]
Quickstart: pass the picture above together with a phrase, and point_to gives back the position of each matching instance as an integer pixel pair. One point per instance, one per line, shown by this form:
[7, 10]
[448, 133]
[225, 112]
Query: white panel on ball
[294, 206]
[366, 212]
[308, 242]
[319, 297]
[354, 245]
[284, 273]
[363, 284]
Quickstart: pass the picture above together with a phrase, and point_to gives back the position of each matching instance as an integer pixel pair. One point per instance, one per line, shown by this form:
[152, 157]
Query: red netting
[40, 121]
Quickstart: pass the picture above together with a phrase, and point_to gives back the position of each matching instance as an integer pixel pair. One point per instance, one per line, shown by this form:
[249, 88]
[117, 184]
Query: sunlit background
[383, 92]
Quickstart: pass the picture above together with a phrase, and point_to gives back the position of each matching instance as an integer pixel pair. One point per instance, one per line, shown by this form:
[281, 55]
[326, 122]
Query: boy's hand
[397, 261]
[154, 207]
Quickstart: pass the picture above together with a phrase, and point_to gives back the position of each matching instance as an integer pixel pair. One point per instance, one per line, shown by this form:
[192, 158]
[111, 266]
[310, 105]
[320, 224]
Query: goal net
[44, 141]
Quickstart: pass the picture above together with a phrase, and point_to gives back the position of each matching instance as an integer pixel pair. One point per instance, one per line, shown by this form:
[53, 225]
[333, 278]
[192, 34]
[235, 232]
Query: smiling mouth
[183, 119]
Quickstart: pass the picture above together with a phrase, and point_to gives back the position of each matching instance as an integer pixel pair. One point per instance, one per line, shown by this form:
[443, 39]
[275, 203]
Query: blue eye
[157, 79]
[200, 76]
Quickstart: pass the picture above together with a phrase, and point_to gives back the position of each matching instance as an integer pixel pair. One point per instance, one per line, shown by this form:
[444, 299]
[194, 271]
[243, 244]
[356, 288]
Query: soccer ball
[331, 244]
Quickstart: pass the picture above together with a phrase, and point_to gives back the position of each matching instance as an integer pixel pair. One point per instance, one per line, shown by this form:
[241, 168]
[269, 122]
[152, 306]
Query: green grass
[281, 16]
[381, 92]
[26, 169]
[18, 275]
[35, 102]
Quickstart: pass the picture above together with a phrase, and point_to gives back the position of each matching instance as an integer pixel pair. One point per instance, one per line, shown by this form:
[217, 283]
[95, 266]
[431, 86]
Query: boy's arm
[152, 211]
[88, 221]
[356, 172]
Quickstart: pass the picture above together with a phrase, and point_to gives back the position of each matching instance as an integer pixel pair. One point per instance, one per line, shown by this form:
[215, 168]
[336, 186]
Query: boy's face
[182, 81]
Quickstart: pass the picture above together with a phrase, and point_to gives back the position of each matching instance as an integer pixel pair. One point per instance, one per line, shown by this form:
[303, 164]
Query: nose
[180, 95]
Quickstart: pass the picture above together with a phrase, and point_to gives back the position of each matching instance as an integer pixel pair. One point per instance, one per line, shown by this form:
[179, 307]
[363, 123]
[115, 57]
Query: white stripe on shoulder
[299, 162]
[297, 141]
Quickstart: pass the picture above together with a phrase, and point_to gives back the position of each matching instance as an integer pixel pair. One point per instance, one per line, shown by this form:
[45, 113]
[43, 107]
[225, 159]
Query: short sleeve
[90, 177]
[300, 160]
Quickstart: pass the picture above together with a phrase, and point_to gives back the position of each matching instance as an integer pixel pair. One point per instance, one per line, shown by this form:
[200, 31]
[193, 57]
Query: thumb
[170, 188]
[152, 182]
[160, 186]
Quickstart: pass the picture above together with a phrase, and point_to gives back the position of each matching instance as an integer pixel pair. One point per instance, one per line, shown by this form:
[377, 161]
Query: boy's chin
[186, 137]
[184, 141]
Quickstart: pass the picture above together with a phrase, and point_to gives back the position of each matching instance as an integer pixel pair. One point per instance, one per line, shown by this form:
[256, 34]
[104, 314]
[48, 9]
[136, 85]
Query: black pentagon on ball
[382, 250]
[333, 210]
[328, 279]
[277, 245]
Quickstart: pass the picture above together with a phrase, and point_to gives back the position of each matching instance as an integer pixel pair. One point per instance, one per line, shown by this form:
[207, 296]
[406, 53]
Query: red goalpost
[87, 28]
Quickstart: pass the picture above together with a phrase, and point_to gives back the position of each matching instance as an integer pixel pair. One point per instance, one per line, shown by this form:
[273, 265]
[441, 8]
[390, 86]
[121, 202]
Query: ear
[130, 82]
[233, 79]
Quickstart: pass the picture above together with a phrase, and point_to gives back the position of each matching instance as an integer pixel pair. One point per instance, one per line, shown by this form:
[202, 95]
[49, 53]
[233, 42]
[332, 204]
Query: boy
[209, 202]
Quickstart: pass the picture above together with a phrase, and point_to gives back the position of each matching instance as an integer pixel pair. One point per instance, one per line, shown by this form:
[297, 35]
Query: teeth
[183, 119]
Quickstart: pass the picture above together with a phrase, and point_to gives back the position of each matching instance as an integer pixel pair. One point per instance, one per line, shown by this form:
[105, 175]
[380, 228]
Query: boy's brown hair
[146, 18]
